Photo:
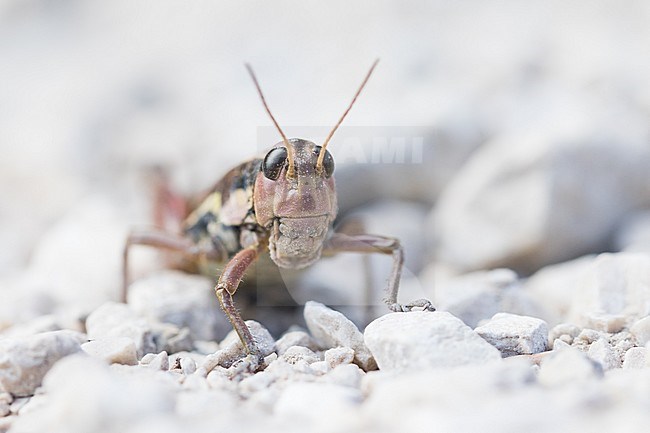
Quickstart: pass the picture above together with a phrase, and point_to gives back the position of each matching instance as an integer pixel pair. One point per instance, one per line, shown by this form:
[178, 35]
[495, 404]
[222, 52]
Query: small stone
[345, 375]
[418, 340]
[641, 330]
[311, 399]
[610, 323]
[515, 335]
[195, 382]
[184, 300]
[477, 296]
[586, 337]
[338, 355]
[560, 344]
[86, 395]
[120, 350]
[294, 338]
[565, 332]
[256, 382]
[333, 329]
[118, 320]
[25, 361]
[601, 352]
[568, 366]
[298, 353]
[18, 404]
[617, 284]
[188, 365]
[636, 357]
[156, 362]
[5, 403]
[261, 335]
[6, 422]
[320, 367]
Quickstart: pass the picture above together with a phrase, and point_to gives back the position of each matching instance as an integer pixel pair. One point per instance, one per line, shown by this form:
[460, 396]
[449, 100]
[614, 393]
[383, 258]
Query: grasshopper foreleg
[227, 286]
[384, 245]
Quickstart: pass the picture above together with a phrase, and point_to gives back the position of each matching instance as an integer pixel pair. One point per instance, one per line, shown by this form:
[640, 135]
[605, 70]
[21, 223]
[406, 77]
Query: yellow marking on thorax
[211, 203]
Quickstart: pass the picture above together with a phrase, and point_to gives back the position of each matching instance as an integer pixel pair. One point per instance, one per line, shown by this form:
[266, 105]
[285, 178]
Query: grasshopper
[285, 203]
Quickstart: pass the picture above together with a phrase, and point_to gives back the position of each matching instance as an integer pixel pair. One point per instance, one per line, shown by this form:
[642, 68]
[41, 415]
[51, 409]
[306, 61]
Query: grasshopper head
[294, 193]
[297, 207]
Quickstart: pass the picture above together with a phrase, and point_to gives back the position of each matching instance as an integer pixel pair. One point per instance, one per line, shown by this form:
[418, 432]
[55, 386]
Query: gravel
[521, 200]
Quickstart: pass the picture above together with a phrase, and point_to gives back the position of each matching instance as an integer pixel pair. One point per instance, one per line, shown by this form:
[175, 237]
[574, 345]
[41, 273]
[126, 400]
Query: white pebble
[294, 338]
[568, 366]
[515, 335]
[419, 340]
[5, 403]
[316, 400]
[610, 323]
[262, 336]
[601, 352]
[345, 375]
[25, 361]
[565, 332]
[118, 320]
[641, 331]
[636, 357]
[333, 329]
[156, 362]
[188, 365]
[338, 355]
[298, 353]
[119, 350]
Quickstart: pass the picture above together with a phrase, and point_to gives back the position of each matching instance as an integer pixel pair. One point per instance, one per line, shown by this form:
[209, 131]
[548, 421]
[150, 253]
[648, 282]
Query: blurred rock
[515, 335]
[296, 354]
[634, 233]
[113, 320]
[112, 350]
[261, 335]
[25, 361]
[338, 355]
[616, 284]
[522, 201]
[333, 329]
[180, 299]
[294, 338]
[641, 331]
[158, 361]
[345, 375]
[79, 389]
[554, 287]
[568, 366]
[601, 352]
[316, 400]
[419, 340]
[566, 332]
[636, 357]
[79, 258]
[479, 295]
[5, 401]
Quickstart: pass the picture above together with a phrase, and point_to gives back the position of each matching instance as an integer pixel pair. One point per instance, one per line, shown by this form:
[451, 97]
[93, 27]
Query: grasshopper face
[298, 210]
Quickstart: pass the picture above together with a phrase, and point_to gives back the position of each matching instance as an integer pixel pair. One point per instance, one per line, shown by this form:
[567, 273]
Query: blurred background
[502, 135]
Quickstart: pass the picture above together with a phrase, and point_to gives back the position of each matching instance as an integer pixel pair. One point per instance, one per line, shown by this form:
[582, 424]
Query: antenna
[290, 170]
[321, 155]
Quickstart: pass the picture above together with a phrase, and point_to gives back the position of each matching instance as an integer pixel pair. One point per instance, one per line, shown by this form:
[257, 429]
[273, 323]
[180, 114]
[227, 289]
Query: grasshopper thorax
[297, 208]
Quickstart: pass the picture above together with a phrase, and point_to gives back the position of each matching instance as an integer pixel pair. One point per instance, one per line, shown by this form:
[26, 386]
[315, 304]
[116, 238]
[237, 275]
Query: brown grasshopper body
[284, 203]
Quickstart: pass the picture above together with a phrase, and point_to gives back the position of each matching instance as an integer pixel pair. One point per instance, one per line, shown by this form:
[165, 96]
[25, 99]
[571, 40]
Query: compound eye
[273, 162]
[328, 161]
